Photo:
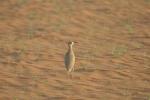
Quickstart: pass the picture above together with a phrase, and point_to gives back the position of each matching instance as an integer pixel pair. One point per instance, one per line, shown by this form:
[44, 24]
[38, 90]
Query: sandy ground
[112, 54]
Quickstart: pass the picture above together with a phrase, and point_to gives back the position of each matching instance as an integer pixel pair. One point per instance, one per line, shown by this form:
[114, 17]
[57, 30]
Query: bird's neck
[70, 48]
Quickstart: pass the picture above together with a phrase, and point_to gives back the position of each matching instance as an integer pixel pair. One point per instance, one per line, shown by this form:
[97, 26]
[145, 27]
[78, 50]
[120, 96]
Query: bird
[69, 59]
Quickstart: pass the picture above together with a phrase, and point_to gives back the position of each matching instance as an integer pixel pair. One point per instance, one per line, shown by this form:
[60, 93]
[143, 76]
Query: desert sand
[112, 53]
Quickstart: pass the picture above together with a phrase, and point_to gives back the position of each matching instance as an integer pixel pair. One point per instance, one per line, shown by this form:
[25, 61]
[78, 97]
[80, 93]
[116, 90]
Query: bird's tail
[69, 70]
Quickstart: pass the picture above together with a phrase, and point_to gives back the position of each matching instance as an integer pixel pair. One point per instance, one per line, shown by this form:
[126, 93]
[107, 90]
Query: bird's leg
[73, 69]
[69, 75]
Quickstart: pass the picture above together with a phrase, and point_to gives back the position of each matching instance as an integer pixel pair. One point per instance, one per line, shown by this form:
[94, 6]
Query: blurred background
[112, 54]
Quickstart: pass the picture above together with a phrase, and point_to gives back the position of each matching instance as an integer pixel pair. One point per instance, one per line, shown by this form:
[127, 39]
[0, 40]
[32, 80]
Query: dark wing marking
[67, 61]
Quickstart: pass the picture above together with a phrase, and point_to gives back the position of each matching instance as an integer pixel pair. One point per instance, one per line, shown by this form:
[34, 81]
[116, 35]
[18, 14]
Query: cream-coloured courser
[70, 58]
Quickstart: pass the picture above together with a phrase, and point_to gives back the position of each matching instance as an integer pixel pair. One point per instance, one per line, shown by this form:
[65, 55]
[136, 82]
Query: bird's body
[70, 58]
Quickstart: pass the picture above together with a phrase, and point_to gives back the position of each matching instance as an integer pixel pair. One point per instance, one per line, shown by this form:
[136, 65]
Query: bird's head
[71, 43]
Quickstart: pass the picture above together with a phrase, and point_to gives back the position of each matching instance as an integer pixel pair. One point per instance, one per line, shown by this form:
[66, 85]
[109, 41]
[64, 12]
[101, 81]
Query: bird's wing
[66, 60]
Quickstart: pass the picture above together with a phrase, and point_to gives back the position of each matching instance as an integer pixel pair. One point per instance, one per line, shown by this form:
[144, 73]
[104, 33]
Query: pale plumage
[70, 58]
